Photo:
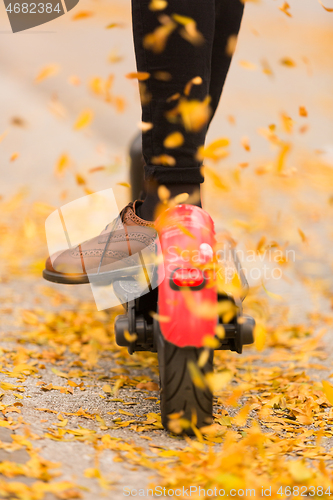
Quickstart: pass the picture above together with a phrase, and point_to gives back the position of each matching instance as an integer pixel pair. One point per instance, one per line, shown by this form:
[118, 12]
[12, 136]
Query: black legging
[216, 20]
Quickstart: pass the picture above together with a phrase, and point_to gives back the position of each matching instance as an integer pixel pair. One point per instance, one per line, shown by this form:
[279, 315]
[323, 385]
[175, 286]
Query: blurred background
[61, 138]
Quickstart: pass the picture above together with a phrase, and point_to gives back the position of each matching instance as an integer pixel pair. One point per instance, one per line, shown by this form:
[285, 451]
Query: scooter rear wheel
[179, 394]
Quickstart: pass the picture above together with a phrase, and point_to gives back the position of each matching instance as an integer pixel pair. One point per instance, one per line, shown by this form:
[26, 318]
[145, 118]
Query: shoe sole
[100, 279]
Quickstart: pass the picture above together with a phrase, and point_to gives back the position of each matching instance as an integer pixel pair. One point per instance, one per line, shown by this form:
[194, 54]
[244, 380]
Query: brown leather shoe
[120, 250]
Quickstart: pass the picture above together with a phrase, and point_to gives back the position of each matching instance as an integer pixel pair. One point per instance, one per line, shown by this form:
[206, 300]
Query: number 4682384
[33, 8]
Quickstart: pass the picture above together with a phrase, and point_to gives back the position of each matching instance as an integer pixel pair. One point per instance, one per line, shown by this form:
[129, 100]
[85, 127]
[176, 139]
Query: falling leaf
[165, 160]
[245, 143]
[196, 375]
[17, 121]
[157, 40]
[141, 76]
[83, 14]
[274, 296]
[285, 148]
[217, 381]
[96, 169]
[124, 184]
[266, 68]
[286, 61]
[80, 180]
[163, 76]
[326, 8]
[158, 5]
[285, 9]
[303, 111]
[130, 337]
[193, 114]
[215, 178]
[47, 72]
[287, 123]
[145, 126]
[247, 65]
[302, 235]
[231, 45]
[14, 156]
[62, 164]
[174, 140]
[163, 193]
[3, 135]
[195, 81]
[84, 119]
[113, 25]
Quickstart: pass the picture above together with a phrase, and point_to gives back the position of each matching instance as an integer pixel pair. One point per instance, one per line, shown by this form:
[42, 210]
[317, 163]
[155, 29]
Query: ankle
[167, 195]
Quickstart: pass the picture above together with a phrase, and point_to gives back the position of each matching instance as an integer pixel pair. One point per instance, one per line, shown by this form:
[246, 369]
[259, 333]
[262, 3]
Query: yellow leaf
[245, 143]
[241, 419]
[285, 148]
[83, 14]
[157, 40]
[214, 151]
[217, 180]
[124, 184]
[302, 235]
[62, 164]
[130, 337]
[326, 8]
[247, 65]
[285, 9]
[259, 336]
[113, 25]
[163, 193]
[14, 156]
[197, 80]
[216, 381]
[299, 471]
[30, 318]
[145, 126]
[80, 179]
[107, 388]
[158, 5]
[210, 342]
[193, 114]
[165, 160]
[3, 135]
[196, 375]
[46, 72]
[271, 294]
[328, 390]
[141, 76]
[203, 358]
[84, 119]
[286, 61]
[174, 140]
[303, 111]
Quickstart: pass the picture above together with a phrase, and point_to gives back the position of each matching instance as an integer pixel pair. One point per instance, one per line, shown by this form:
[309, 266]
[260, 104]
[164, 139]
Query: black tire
[178, 392]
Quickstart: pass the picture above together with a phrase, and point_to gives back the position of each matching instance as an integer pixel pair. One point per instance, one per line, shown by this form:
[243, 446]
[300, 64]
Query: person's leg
[187, 55]
[183, 60]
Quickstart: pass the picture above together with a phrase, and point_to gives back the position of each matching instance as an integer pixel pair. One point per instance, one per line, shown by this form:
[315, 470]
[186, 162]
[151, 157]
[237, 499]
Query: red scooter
[185, 315]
